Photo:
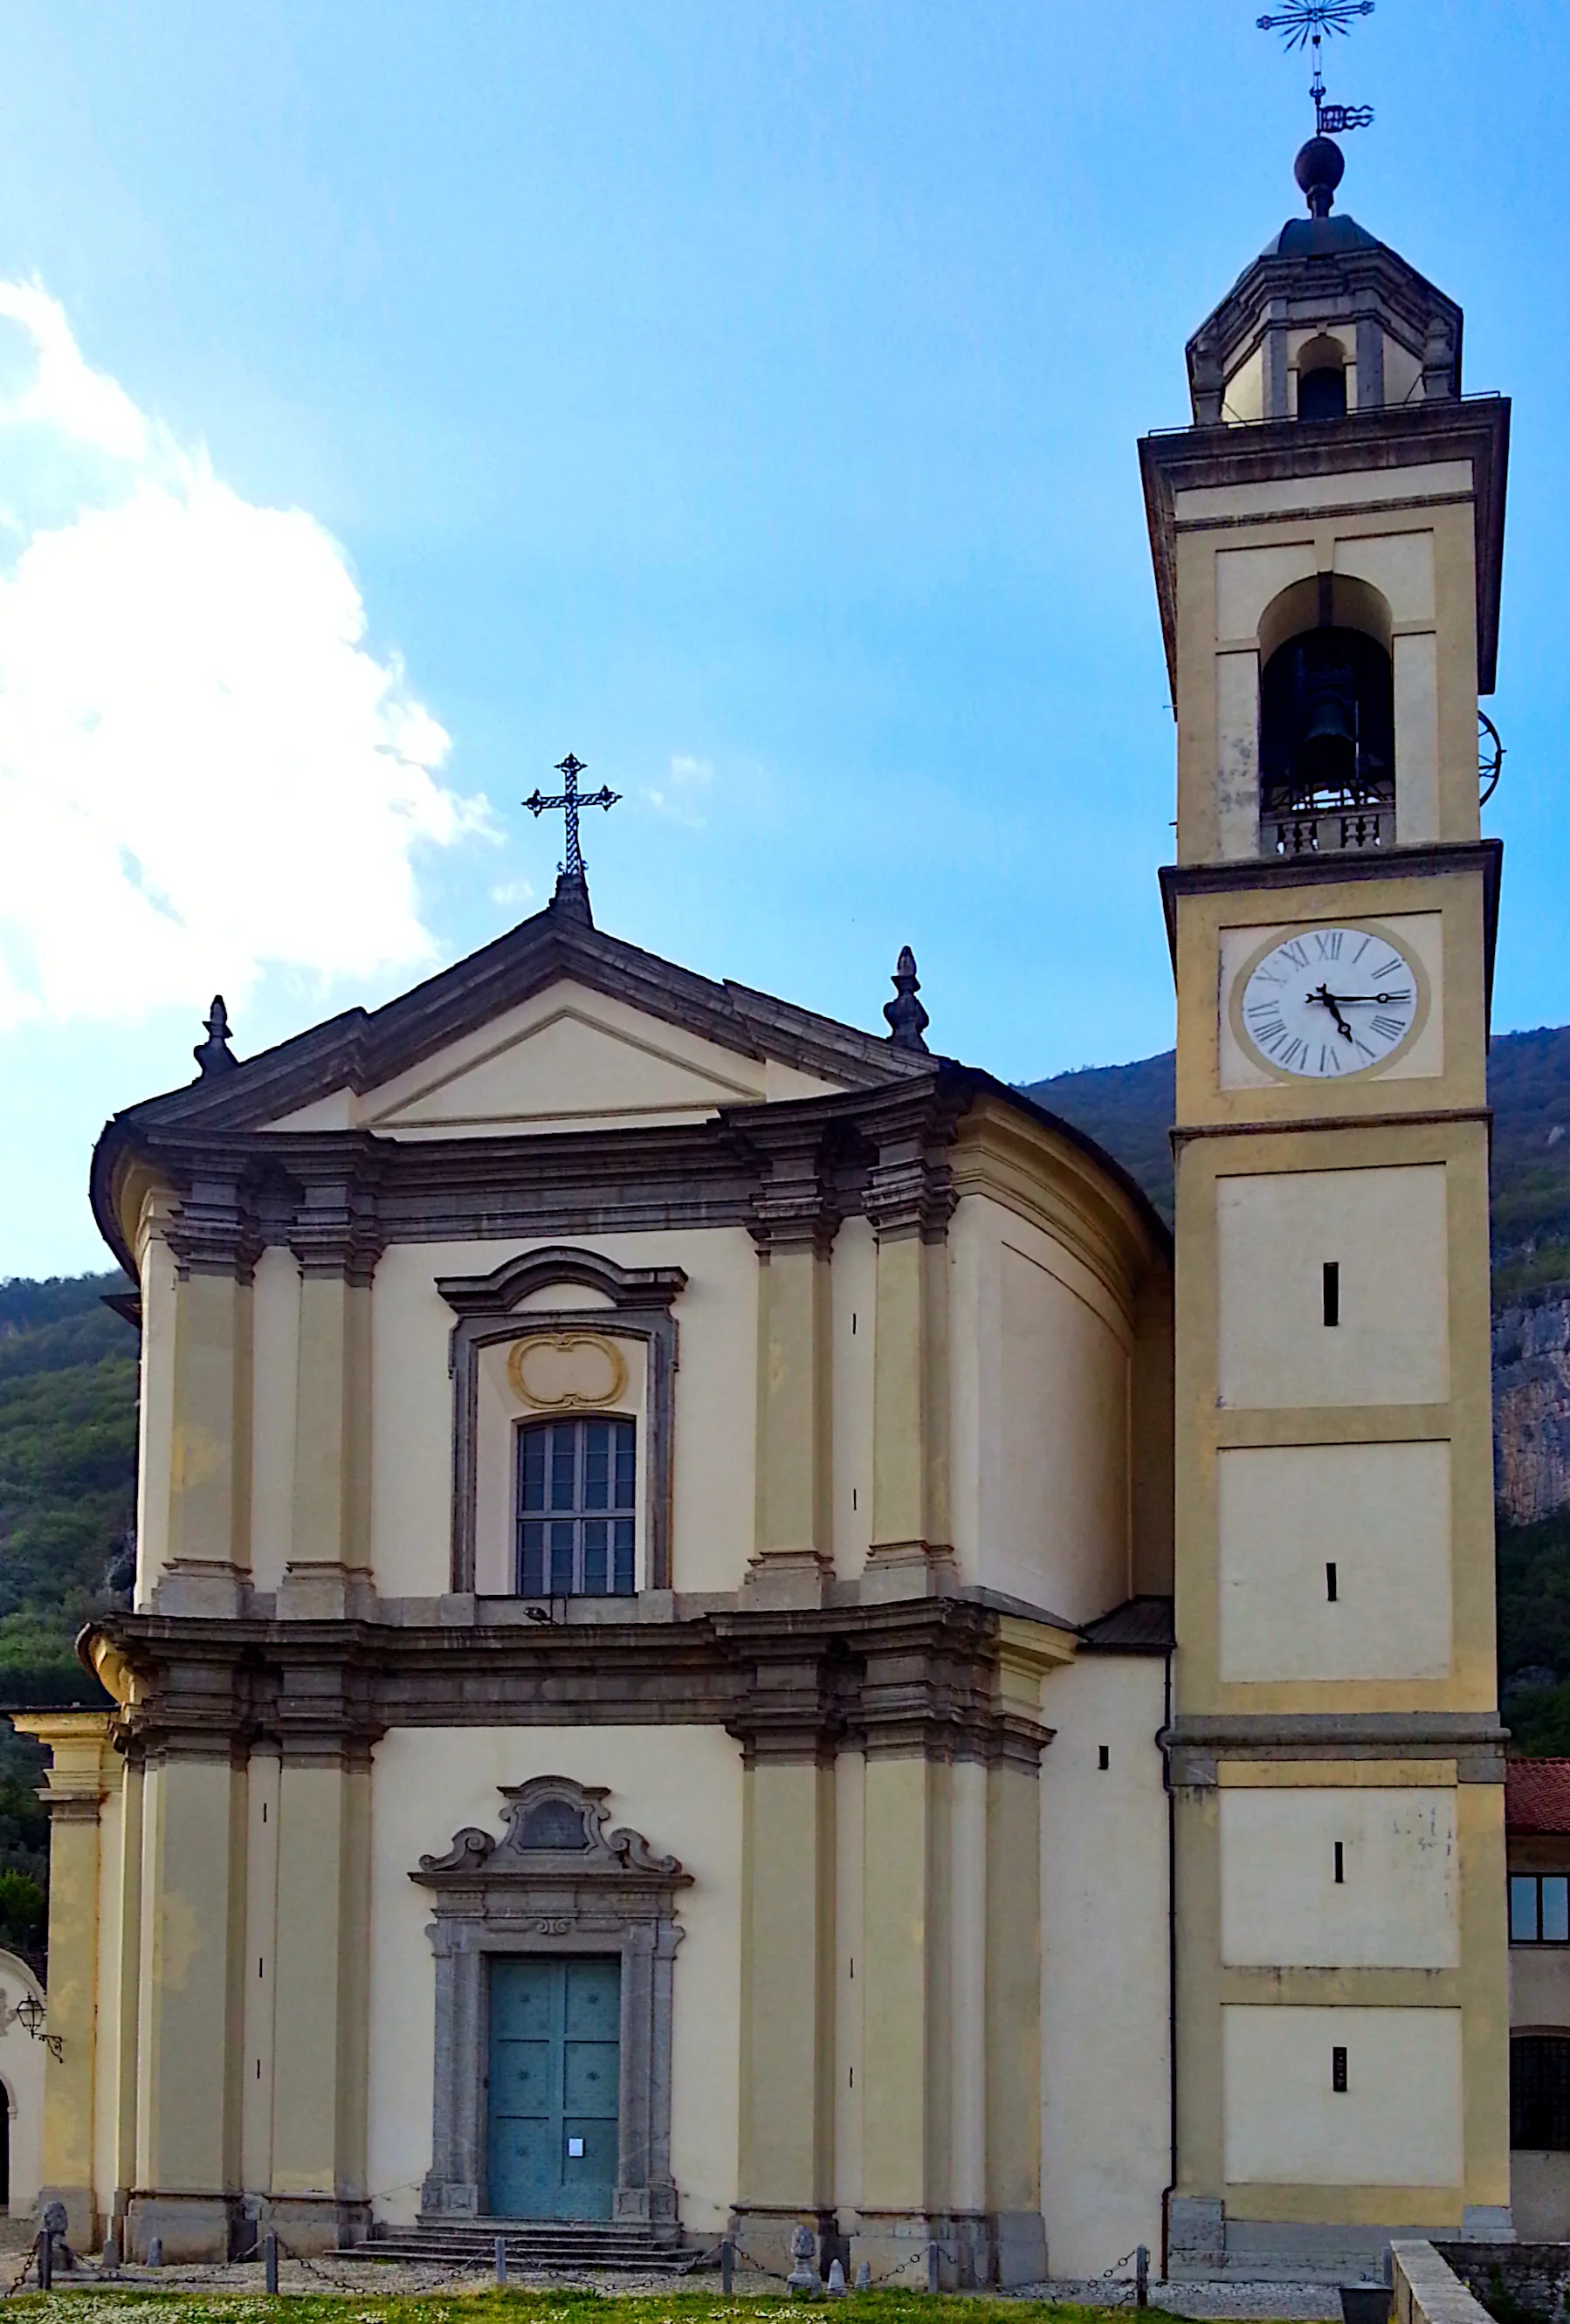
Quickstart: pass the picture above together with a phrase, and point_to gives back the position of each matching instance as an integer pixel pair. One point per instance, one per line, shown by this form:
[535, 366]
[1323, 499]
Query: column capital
[795, 1205]
[336, 1233]
[214, 1230]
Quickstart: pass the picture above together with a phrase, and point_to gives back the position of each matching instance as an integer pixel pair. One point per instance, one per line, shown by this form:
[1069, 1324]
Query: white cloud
[679, 795]
[203, 771]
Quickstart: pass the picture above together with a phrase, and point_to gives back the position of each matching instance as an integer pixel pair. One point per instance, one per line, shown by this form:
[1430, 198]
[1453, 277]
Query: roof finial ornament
[1321, 163]
[571, 881]
[908, 1020]
[214, 1055]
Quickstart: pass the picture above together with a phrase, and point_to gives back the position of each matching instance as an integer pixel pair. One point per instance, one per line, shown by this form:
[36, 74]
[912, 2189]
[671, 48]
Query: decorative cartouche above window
[566, 1372]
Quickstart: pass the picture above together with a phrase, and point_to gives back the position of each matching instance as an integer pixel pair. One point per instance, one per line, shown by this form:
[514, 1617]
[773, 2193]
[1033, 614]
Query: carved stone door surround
[557, 1883]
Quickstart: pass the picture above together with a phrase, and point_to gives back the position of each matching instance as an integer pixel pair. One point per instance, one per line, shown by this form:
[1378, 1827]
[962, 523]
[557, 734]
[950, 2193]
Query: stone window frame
[490, 1313]
[523, 1897]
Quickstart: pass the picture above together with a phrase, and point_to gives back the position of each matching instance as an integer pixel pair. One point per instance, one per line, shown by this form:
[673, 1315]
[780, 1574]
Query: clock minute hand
[1328, 1000]
[1379, 1000]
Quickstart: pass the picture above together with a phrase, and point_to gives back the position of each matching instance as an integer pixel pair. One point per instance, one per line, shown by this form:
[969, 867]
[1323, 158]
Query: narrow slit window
[1339, 1863]
[1331, 1586]
[1103, 1757]
[1332, 1291]
[1338, 2068]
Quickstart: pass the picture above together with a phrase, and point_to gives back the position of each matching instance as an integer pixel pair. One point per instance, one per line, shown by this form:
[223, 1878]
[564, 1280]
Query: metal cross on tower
[571, 873]
[1301, 22]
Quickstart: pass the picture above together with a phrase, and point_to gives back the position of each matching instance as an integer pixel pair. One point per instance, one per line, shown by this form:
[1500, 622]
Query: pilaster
[320, 2020]
[84, 1771]
[793, 1225]
[215, 1242]
[786, 2173]
[191, 2008]
[909, 1199]
[338, 1242]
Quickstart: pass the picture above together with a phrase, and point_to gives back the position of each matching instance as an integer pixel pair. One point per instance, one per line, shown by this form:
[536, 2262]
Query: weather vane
[1304, 22]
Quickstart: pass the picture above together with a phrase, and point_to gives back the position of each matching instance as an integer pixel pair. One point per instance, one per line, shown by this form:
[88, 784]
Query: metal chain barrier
[29, 2261]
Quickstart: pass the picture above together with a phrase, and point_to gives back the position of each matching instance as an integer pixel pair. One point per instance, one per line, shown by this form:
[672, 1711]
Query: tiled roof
[1140, 1626]
[1537, 1795]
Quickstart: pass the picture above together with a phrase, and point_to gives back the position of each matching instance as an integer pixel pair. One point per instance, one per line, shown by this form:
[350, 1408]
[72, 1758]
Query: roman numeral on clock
[1389, 1028]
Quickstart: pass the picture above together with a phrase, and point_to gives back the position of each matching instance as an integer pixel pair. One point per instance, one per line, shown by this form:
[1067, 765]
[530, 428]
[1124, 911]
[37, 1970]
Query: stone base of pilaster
[313, 1590]
[976, 2249]
[209, 1588]
[788, 1578]
[762, 2233]
[909, 1569]
[310, 2225]
[190, 2227]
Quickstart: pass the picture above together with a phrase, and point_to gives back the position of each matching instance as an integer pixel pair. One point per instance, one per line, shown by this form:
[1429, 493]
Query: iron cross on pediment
[571, 799]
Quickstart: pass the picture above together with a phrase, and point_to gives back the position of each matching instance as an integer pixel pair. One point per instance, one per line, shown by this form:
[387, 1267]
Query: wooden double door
[552, 2116]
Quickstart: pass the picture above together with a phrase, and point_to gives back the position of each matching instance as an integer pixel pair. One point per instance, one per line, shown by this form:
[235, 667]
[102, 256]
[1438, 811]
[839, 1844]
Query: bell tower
[1327, 538]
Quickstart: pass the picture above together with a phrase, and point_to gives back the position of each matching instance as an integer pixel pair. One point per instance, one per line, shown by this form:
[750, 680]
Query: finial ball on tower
[1319, 169]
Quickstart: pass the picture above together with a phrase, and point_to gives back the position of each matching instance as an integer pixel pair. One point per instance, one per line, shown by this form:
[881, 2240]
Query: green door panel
[553, 2090]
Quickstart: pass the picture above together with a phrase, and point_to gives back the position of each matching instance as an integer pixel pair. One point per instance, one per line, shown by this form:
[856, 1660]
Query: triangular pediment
[568, 1057]
[554, 1023]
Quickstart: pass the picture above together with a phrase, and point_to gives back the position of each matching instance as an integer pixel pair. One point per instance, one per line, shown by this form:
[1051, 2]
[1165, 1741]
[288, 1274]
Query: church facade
[729, 1631]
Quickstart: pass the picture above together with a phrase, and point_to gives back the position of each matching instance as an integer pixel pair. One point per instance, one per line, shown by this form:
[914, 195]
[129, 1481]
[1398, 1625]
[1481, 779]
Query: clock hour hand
[1328, 1000]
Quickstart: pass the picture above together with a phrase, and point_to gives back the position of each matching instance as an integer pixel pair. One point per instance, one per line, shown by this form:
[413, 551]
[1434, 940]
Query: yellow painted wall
[1104, 1924]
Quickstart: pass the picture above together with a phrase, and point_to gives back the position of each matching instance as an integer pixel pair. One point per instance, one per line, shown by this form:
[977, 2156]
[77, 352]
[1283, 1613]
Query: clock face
[1328, 1002]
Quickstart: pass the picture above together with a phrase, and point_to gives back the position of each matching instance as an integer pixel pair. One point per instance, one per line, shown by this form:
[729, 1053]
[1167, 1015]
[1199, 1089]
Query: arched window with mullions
[576, 1509]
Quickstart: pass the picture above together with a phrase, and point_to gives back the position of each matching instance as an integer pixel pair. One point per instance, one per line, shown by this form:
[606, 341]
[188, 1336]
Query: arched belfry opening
[1327, 729]
[1322, 379]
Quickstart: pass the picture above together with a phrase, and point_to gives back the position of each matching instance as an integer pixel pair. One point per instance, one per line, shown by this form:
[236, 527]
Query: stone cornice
[929, 1677]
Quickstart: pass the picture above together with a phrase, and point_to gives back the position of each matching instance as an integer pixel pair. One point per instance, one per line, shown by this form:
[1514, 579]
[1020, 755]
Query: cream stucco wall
[1396, 1906]
[1040, 1427]
[1386, 1229]
[681, 1787]
[22, 2061]
[1397, 2123]
[1104, 1983]
[1381, 1515]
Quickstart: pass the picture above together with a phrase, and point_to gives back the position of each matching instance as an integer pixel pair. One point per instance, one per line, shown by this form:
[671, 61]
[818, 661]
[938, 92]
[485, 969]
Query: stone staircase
[574, 2244]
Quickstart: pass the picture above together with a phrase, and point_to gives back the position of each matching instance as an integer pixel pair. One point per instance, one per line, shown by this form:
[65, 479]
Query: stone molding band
[921, 1678]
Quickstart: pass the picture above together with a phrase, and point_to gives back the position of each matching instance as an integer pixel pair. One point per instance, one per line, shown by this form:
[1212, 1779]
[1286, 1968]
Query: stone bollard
[802, 2279]
[933, 2256]
[156, 2250]
[45, 2259]
[837, 2284]
[865, 2276]
[501, 2257]
[728, 2267]
[1141, 2277]
[270, 2258]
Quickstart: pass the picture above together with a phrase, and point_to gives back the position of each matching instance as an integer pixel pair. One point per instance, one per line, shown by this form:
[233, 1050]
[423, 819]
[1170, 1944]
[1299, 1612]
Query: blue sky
[744, 397]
